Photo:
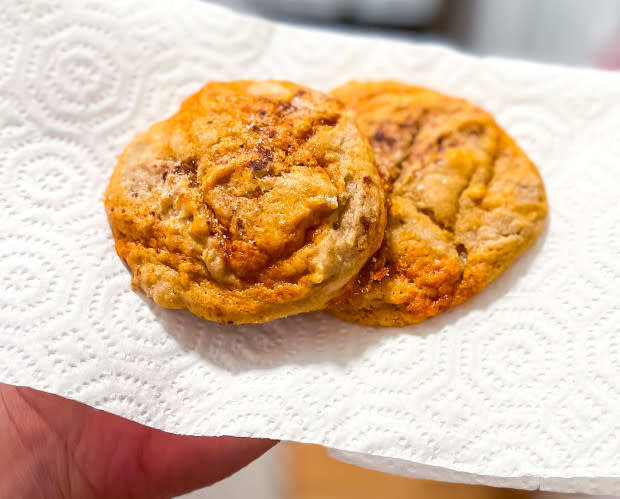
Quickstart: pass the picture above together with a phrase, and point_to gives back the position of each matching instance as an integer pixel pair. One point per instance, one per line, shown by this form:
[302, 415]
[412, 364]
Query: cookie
[464, 201]
[256, 200]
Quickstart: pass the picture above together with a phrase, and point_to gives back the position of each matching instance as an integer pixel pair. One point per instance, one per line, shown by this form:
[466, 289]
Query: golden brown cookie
[256, 200]
[464, 201]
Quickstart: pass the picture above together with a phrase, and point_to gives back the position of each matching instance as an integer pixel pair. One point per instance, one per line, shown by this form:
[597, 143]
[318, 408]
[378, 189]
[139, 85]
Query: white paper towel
[519, 387]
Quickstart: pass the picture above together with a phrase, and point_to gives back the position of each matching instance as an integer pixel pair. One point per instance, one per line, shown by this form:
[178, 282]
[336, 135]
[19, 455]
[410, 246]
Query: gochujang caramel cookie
[256, 200]
[464, 201]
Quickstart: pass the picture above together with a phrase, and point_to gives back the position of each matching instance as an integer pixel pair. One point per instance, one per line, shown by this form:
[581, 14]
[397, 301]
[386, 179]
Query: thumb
[55, 446]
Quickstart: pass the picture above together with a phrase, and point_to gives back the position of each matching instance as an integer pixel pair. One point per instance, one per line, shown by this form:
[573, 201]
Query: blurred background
[573, 32]
[570, 32]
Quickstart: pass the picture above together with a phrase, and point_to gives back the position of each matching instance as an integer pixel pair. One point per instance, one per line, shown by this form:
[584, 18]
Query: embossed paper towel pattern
[519, 387]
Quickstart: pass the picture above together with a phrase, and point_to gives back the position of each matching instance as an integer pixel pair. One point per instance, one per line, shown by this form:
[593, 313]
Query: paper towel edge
[603, 485]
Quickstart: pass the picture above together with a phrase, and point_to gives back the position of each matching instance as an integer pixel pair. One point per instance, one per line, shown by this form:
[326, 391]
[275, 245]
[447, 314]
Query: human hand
[54, 447]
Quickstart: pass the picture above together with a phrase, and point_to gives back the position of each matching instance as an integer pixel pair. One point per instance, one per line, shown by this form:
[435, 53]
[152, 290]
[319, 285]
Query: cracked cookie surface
[464, 201]
[256, 200]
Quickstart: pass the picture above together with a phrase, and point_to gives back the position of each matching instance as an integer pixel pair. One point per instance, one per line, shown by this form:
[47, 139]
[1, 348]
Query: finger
[110, 456]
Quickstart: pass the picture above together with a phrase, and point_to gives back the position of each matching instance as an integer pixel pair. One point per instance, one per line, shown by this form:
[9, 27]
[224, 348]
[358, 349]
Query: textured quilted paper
[520, 387]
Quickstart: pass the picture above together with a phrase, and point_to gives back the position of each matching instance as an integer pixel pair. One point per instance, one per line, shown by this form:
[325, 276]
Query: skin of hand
[52, 447]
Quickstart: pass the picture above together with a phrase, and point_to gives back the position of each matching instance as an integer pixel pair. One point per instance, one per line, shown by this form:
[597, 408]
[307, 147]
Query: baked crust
[464, 201]
[256, 200]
